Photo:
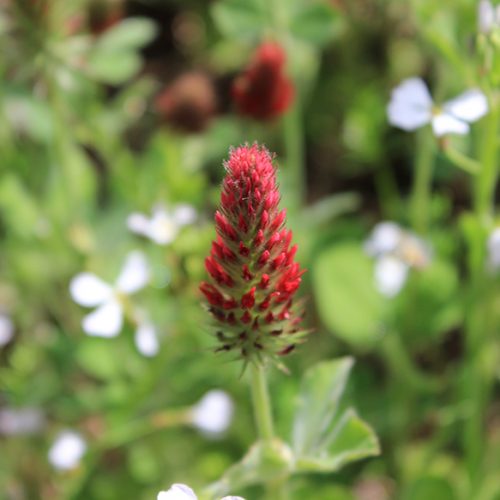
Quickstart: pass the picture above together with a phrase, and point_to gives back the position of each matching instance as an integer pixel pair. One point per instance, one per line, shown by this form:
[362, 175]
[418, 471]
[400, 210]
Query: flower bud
[264, 91]
[253, 276]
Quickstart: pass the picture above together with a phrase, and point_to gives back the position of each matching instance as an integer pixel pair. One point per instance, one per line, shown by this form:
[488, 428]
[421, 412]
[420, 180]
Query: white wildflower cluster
[183, 492]
[396, 251]
[109, 300]
[411, 107]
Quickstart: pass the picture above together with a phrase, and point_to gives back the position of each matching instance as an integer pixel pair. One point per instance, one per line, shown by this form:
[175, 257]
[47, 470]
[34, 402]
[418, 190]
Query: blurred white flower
[488, 16]
[184, 492]
[89, 290]
[163, 225]
[395, 251]
[494, 250]
[213, 412]
[6, 329]
[67, 450]
[177, 492]
[146, 339]
[411, 107]
[390, 275]
[384, 239]
[18, 421]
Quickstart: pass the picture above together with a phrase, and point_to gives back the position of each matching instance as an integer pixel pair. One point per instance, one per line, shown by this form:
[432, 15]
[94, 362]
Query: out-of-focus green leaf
[98, 358]
[324, 438]
[28, 115]
[241, 19]
[430, 488]
[316, 23]
[113, 66]
[19, 209]
[348, 303]
[132, 33]
[430, 304]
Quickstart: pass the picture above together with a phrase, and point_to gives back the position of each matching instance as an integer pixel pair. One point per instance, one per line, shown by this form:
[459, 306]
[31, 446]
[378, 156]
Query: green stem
[486, 182]
[261, 402]
[387, 192]
[275, 489]
[462, 161]
[421, 195]
[478, 328]
[402, 367]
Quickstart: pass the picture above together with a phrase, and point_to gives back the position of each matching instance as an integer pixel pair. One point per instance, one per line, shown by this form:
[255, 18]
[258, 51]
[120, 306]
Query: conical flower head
[251, 265]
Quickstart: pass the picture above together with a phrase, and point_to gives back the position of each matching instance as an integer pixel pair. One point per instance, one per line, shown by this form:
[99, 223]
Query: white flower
[146, 339]
[395, 251]
[390, 275]
[16, 421]
[177, 492]
[488, 16]
[90, 291]
[494, 250]
[411, 107]
[6, 329]
[384, 239]
[183, 492]
[163, 226]
[67, 450]
[213, 413]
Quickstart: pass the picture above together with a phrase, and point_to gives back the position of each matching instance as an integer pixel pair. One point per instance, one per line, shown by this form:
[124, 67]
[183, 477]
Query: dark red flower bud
[253, 273]
[264, 91]
[189, 103]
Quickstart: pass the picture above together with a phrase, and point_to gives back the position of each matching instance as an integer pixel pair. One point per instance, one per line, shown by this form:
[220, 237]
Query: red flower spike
[264, 91]
[253, 274]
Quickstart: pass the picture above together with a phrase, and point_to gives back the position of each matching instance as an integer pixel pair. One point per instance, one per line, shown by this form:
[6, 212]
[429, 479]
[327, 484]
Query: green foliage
[349, 305]
[326, 437]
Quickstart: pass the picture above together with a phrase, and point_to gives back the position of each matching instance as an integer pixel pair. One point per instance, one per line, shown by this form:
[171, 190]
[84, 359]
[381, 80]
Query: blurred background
[115, 118]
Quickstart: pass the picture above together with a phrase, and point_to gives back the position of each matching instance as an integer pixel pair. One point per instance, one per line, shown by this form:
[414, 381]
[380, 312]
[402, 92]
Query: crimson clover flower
[253, 275]
[264, 91]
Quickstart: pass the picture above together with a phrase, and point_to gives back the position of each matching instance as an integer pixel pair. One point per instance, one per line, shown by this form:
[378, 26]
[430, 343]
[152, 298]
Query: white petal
[106, 321]
[146, 340]
[6, 330]
[163, 228]
[232, 498]
[385, 238]
[485, 16]
[134, 275]
[213, 413]
[89, 290]
[390, 275]
[469, 106]
[138, 223]
[67, 450]
[444, 123]
[410, 105]
[177, 492]
[184, 214]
